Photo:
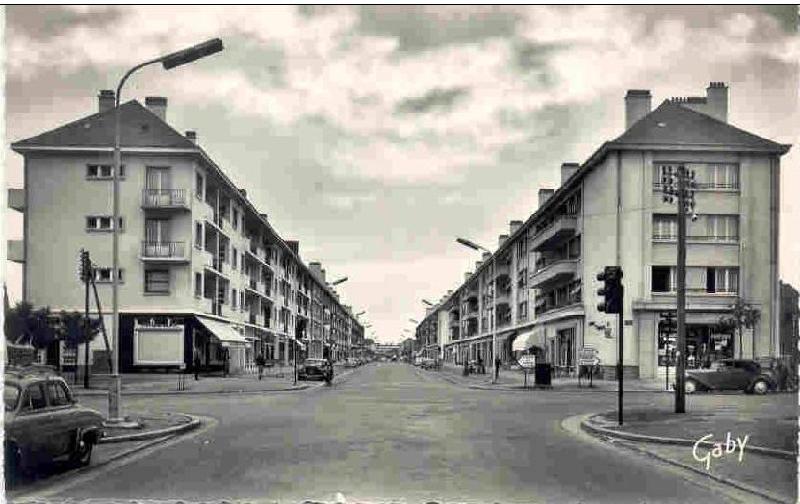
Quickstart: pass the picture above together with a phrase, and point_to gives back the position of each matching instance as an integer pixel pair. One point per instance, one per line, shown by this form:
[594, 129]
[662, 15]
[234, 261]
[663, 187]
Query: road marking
[66, 481]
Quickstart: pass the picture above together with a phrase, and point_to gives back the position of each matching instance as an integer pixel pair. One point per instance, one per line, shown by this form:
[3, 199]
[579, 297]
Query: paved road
[392, 432]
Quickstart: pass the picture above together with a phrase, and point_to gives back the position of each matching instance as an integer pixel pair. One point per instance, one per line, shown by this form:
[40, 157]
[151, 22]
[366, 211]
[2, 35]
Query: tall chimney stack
[486, 256]
[157, 105]
[567, 170]
[105, 100]
[191, 136]
[501, 240]
[544, 195]
[513, 226]
[637, 105]
[717, 101]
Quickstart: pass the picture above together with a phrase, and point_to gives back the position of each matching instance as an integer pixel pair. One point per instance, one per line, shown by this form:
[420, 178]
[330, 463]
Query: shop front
[705, 343]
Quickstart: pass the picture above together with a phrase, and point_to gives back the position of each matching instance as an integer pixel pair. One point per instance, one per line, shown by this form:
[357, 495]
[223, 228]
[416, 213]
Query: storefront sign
[527, 361]
[587, 356]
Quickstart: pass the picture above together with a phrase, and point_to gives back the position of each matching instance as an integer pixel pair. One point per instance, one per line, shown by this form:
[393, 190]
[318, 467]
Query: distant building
[789, 325]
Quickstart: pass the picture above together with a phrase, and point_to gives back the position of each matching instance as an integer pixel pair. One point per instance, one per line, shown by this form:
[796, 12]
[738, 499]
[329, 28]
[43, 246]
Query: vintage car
[730, 374]
[43, 422]
[315, 369]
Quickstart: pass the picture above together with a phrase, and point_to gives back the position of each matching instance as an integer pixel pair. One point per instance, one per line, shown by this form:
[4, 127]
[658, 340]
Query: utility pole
[86, 275]
[680, 182]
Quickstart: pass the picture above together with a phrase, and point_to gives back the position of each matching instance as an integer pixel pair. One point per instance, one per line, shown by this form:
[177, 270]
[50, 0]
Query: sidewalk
[276, 379]
[515, 380]
[767, 465]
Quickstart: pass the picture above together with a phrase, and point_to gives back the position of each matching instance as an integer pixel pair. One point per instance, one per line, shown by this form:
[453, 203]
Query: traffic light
[84, 266]
[611, 291]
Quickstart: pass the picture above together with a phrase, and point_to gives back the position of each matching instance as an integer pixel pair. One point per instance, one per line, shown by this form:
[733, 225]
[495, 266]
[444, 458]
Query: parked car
[43, 422]
[731, 374]
[315, 369]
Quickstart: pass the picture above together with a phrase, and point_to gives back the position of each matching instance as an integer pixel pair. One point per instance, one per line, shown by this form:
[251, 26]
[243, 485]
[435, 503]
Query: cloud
[348, 201]
[436, 99]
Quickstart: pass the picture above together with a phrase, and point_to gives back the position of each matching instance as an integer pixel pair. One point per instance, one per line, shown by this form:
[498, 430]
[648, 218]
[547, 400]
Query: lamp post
[168, 61]
[337, 282]
[475, 246]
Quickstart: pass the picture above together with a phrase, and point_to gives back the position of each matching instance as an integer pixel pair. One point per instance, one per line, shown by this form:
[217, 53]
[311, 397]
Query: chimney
[192, 136]
[486, 256]
[637, 105]
[315, 268]
[157, 105]
[717, 101]
[567, 170]
[467, 275]
[105, 100]
[322, 273]
[478, 265]
[544, 195]
[263, 216]
[501, 240]
[513, 226]
[243, 192]
[294, 245]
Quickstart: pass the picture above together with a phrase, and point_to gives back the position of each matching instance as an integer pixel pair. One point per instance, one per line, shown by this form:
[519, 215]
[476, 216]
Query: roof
[675, 125]
[139, 128]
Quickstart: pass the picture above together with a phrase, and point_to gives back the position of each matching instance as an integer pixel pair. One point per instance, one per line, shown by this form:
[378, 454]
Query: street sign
[527, 361]
[587, 356]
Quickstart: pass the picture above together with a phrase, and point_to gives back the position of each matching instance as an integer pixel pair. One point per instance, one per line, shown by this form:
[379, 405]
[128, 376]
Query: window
[34, 398]
[664, 279]
[722, 280]
[156, 281]
[234, 258]
[104, 275]
[234, 218]
[522, 312]
[96, 223]
[198, 285]
[198, 235]
[234, 299]
[103, 171]
[198, 186]
[723, 176]
[241, 300]
[58, 394]
[723, 227]
[665, 227]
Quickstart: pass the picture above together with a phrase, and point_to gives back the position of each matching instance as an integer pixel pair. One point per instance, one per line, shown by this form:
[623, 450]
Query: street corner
[149, 426]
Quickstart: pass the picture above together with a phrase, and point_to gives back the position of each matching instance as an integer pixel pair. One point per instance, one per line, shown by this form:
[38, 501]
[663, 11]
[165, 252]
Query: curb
[721, 479]
[588, 425]
[130, 393]
[192, 424]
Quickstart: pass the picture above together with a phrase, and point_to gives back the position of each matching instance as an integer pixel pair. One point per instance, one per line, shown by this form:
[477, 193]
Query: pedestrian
[481, 368]
[497, 363]
[226, 360]
[196, 364]
[260, 362]
[466, 368]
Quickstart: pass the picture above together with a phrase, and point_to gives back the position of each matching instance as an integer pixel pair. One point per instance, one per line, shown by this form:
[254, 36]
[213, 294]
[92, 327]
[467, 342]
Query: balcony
[562, 228]
[166, 252]
[16, 251]
[165, 199]
[554, 272]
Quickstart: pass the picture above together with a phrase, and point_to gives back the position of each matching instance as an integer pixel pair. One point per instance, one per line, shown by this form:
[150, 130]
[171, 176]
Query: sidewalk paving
[276, 379]
[512, 379]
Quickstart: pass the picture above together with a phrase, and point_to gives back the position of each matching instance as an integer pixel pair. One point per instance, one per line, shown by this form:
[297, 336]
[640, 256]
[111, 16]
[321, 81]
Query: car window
[34, 398]
[10, 396]
[58, 394]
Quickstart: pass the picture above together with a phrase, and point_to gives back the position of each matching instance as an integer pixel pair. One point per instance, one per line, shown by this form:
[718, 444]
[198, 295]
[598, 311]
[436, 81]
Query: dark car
[731, 374]
[43, 422]
[315, 369]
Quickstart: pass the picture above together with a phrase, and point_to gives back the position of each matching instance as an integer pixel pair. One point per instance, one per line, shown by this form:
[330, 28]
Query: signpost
[527, 362]
[588, 357]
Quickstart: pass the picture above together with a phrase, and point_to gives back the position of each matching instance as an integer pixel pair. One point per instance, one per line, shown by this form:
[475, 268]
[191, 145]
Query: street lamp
[475, 246]
[169, 62]
[362, 312]
[337, 282]
[414, 321]
[428, 303]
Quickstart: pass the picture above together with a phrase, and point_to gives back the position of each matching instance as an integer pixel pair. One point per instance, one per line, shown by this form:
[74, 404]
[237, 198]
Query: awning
[225, 333]
[524, 341]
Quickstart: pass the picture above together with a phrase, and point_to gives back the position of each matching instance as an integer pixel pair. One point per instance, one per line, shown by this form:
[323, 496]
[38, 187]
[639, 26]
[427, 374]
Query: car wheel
[82, 454]
[690, 387]
[760, 387]
[13, 465]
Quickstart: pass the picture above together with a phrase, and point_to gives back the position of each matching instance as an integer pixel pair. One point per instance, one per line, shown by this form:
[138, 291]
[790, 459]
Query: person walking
[196, 364]
[260, 363]
[497, 363]
[226, 362]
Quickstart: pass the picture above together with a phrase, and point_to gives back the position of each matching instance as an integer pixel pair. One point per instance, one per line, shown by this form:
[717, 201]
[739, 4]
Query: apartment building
[537, 290]
[202, 272]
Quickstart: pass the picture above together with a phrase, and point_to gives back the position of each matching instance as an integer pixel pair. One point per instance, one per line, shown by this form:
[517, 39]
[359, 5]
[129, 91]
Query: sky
[377, 135]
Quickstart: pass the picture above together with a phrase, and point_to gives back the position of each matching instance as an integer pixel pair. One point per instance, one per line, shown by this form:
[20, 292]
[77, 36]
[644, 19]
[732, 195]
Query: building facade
[536, 292]
[202, 273]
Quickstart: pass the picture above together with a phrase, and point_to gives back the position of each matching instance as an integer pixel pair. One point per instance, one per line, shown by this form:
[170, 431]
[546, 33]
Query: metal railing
[163, 198]
[163, 250]
[703, 238]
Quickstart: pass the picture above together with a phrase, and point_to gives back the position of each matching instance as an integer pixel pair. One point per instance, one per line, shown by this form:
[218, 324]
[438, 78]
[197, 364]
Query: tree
[26, 326]
[742, 315]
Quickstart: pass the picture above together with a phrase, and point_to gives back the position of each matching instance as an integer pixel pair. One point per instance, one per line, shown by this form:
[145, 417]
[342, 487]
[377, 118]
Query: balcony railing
[553, 234]
[697, 238]
[164, 198]
[173, 251]
[730, 186]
